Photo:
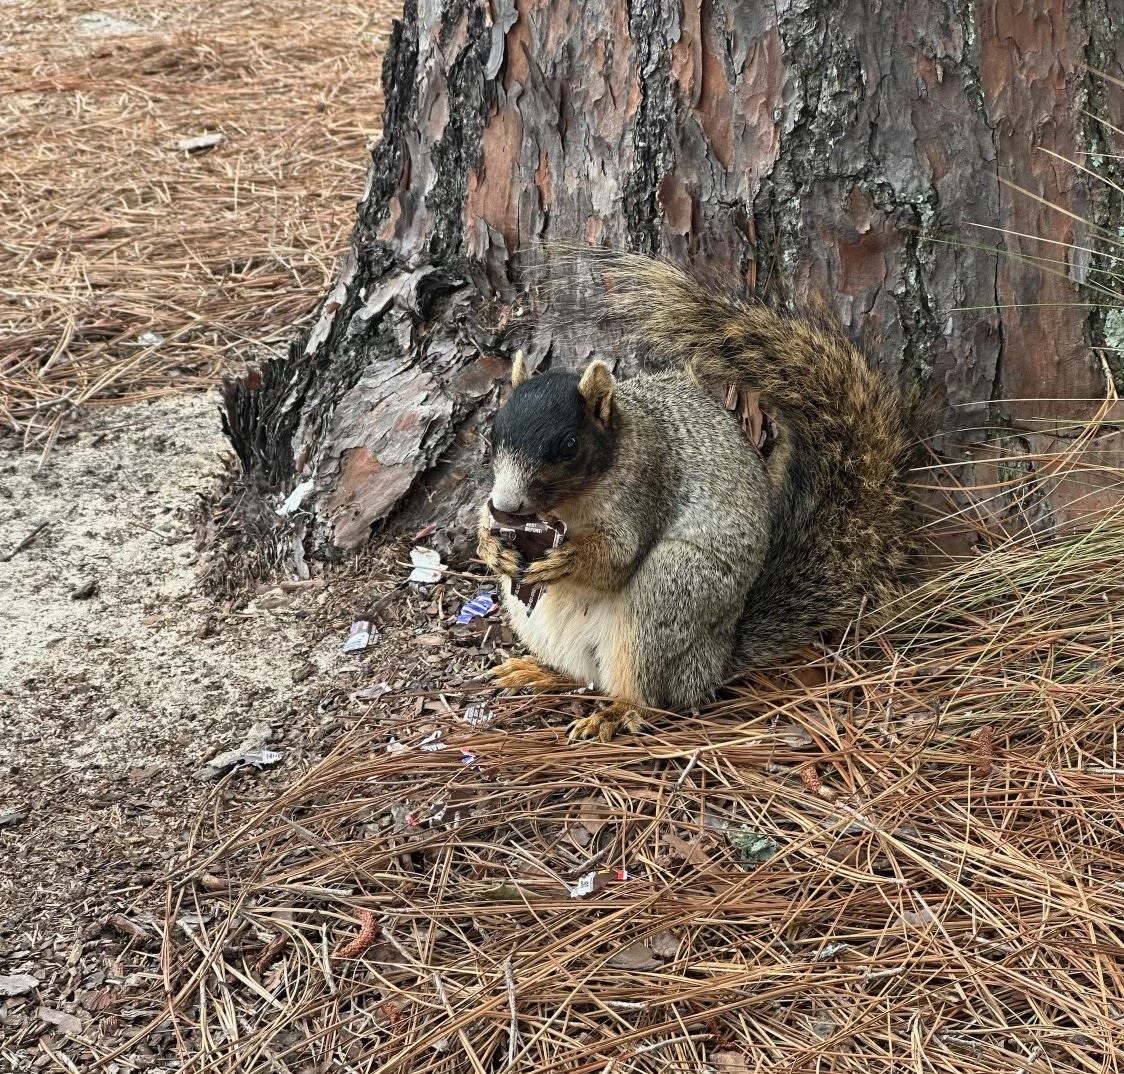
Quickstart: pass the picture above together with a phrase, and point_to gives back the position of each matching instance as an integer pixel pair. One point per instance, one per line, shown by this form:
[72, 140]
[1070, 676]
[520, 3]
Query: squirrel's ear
[518, 370]
[596, 387]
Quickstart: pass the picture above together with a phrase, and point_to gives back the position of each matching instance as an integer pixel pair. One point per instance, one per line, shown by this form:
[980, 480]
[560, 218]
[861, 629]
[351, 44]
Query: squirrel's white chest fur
[579, 632]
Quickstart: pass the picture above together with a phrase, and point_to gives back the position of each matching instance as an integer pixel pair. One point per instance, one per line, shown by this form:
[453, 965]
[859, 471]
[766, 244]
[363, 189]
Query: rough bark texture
[815, 143]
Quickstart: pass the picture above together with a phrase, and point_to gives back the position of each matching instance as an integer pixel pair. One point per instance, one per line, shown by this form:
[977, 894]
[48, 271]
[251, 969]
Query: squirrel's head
[552, 438]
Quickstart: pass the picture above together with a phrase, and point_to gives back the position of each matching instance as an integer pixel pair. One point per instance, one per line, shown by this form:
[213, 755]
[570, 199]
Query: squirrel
[689, 554]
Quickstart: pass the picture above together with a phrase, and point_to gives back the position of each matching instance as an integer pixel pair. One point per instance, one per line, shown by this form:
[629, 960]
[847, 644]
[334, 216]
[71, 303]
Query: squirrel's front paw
[557, 564]
[497, 556]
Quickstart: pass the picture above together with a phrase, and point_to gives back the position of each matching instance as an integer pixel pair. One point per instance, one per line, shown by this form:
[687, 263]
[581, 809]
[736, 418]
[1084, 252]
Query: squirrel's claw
[557, 564]
[604, 725]
[519, 672]
[498, 557]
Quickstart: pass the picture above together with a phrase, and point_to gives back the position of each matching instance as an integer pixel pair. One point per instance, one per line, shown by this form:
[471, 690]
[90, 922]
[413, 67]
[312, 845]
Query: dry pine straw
[937, 808]
[108, 232]
[906, 854]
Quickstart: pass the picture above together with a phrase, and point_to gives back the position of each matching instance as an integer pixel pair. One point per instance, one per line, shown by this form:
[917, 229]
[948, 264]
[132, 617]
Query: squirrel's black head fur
[552, 439]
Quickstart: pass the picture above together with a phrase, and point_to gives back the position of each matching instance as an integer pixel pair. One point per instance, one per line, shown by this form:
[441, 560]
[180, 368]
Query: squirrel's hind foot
[519, 672]
[603, 725]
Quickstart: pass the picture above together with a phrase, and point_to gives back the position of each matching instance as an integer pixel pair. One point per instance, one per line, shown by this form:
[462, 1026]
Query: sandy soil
[112, 701]
[120, 681]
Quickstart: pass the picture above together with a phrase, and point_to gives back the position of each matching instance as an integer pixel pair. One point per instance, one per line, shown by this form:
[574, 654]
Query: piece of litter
[478, 715]
[428, 567]
[204, 141]
[532, 537]
[358, 636]
[150, 339]
[11, 815]
[394, 747]
[753, 848]
[481, 605]
[372, 693]
[432, 742]
[438, 813]
[294, 499]
[469, 758]
[262, 758]
[586, 885]
[17, 984]
[623, 874]
[251, 752]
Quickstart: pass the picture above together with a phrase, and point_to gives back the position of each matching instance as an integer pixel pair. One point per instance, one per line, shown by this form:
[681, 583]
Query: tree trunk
[816, 143]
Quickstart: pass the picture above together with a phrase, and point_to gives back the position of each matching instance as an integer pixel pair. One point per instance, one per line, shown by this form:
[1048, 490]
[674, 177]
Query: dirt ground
[133, 269]
[119, 681]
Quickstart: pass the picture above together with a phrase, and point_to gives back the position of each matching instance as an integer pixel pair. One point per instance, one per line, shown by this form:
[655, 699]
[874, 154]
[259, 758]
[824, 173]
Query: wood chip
[17, 984]
[68, 1023]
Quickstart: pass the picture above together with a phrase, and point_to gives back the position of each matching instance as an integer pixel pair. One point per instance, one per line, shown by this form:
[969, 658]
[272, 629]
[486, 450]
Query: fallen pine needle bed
[131, 266]
[903, 854]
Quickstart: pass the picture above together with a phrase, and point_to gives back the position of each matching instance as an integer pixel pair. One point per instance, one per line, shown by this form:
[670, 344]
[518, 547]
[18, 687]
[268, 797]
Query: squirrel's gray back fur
[689, 555]
[839, 518]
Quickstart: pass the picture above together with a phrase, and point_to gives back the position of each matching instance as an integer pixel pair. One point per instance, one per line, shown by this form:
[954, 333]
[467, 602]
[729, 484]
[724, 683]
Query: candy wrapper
[532, 537]
[480, 605]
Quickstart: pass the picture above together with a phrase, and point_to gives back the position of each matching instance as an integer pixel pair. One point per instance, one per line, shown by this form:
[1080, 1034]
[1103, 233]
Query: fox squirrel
[689, 555]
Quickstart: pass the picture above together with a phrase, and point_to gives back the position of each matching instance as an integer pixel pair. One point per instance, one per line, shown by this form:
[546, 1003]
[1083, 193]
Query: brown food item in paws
[532, 537]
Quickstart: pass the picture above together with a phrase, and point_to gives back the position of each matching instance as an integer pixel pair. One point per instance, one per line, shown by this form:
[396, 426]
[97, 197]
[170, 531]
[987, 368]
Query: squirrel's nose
[509, 505]
[511, 484]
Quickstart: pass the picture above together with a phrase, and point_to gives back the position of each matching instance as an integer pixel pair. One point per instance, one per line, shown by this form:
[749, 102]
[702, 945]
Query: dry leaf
[664, 944]
[591, 818]
[792, 734]
[635, 957]
[922, 916]
[647, 954]
[690, 852]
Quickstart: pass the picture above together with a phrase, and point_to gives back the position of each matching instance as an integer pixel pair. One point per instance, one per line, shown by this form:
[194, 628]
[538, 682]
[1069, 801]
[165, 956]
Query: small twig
[890, 971]
[513, 1028]
[687, 771]
[461, 1034]
[26, 541]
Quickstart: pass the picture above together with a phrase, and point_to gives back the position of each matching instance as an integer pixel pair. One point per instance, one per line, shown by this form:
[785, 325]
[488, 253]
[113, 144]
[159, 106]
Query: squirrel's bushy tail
[840, 517]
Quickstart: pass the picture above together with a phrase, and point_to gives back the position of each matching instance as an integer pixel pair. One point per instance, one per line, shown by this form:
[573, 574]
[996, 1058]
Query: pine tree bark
[813, 142]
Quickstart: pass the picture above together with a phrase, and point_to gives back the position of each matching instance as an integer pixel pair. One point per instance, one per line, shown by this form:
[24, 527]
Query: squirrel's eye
[568, 448]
